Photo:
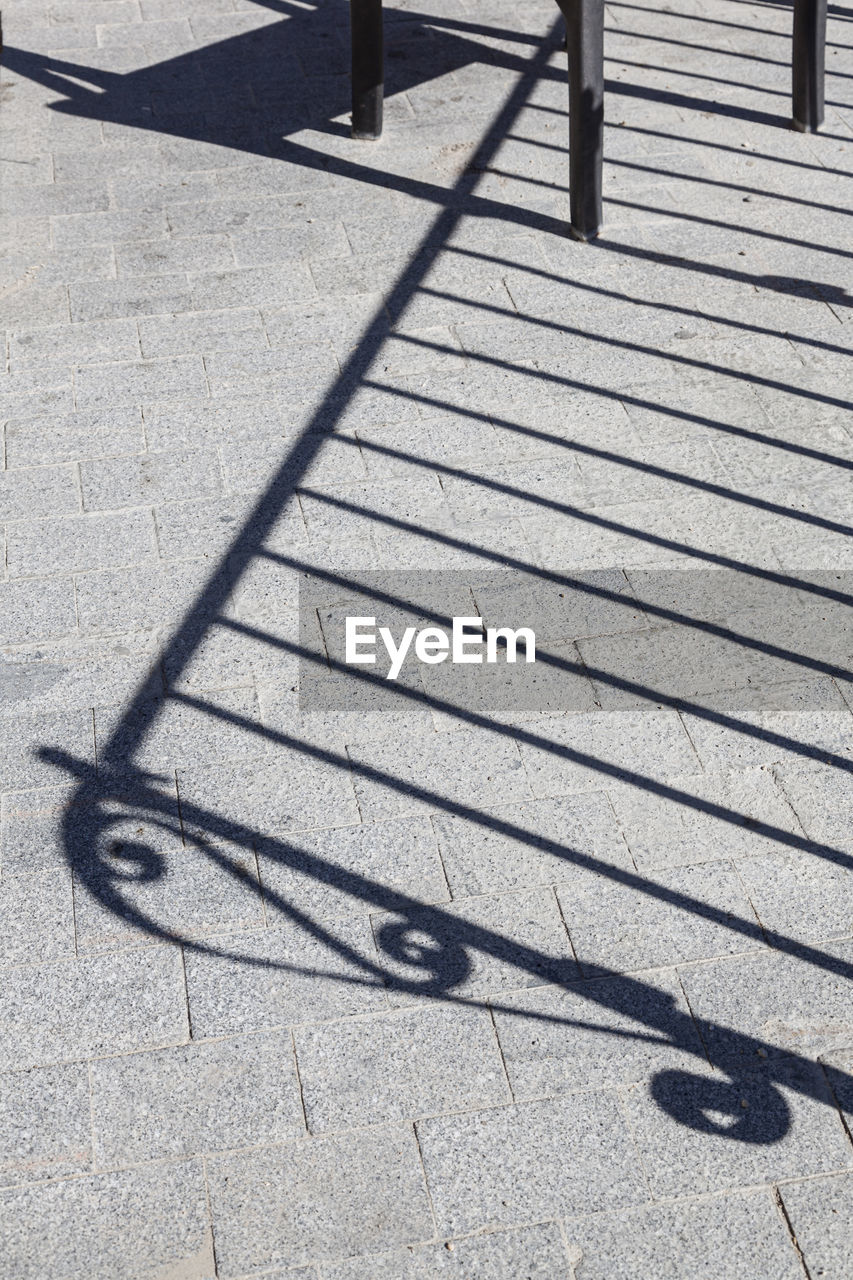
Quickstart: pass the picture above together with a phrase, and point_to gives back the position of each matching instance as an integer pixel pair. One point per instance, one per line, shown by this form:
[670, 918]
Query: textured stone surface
[821, 1214]
[727, 1236]
[536, 1252]
[402, 1064]
[45, 1123]
[227, 1093]
[335, 1195]
[273, 922]
[488, 1169]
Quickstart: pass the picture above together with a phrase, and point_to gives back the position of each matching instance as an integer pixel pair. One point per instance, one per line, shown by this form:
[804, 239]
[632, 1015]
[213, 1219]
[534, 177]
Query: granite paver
[312, 978]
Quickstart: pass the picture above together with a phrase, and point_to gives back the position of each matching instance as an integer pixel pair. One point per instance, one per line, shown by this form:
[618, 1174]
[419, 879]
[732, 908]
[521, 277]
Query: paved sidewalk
[423, 987]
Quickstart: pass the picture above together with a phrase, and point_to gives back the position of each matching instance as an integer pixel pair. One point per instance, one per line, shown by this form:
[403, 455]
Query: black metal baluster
[809, 56]
[585, 40]
[367, 68]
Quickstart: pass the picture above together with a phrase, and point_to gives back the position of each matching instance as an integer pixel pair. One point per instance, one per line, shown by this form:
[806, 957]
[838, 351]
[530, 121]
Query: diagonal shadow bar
[715, 145]
[705, 21]
[674, 214]
[545, 376]
[488, 206]
[685, 902]
[843, 211]
[598, 592]
[648, 468]
[269, 506]
[704, 48]
[548, 323]
[590, 517]
[642, 782]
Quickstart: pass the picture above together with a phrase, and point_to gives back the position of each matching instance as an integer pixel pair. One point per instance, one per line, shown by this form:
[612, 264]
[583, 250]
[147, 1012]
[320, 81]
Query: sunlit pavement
[423, 987]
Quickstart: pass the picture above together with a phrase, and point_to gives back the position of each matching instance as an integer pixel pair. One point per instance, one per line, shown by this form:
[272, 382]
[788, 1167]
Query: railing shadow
[429, 940]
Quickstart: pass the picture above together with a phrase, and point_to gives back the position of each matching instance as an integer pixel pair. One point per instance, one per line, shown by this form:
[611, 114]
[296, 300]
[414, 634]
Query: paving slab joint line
[734, 865]
[500, 1051]
[693, 1017]
[209, 1207]
[789, 1227]
[844, 1124]
[299, 1081]
[426, 1179]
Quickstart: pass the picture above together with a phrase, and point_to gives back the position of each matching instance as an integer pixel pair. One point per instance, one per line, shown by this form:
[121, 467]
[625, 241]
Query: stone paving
[422, 990]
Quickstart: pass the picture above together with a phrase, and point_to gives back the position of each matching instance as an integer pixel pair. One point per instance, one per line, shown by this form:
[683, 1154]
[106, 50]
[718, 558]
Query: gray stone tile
[300, 372]
[272, 795]
[100, 340]
[65, 437]
[486, 859]
[610, 1031]
[31, 829]
[315, 238]
[108, 227]
[821, 1215]
[257, 463]
[820, 797]
[532, 1161]
[393, 1066]
[207, 527]
[184, 893]
[45, 1124]
[800, 895]
[35, 306]
[701, 1131]
[44, 200]
[678, 662]
[341, 872]
[241, 1092]
[179, 734]
[649, 741]
[810, 714]
[538, 1253]
[190, 425]
[237, 330]
[36, 918]
[72, 544]
[110, 483]
[110, 1226]
[275, 977]
[129, 383]
[140, 598]
[470, 768]
[165, 256]
[340, 322]
[787, 1003]
[474, 946]
[23, 737]
[144, 296]
[619, 927]
[726, 1237]
[39, 609]
[325, 1198]
[662, 831]
[101, 1005]
[38, 491]
[74, 673]
[248, 286]
[347, 511]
